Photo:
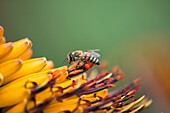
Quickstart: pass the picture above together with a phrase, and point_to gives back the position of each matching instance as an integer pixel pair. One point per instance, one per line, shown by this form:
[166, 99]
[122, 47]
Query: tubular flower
[32, 85]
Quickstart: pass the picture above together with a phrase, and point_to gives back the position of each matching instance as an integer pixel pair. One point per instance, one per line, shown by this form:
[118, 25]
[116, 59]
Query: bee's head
[70, 58]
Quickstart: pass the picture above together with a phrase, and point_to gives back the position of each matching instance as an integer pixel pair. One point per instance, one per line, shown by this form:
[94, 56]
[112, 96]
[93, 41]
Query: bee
[84, 56]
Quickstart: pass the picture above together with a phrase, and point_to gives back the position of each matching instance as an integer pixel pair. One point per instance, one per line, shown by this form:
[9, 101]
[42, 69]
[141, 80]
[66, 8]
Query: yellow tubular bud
[9, 67]
[28, 67]
[19, 108]
[56, 107]
[21, 40]
[1, 79]
[18, 48]
[1, 32]
[15, 92]
[26, 55]
[79, 110]
[5, 49]
[3, 40]
[49, 65]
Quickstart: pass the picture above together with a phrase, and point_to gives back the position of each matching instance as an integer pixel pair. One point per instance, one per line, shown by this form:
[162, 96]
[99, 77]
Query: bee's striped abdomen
[91, 59]
[95, 61]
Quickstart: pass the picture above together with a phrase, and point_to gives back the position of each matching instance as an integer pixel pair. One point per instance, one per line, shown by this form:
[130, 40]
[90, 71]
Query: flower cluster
[33, 86]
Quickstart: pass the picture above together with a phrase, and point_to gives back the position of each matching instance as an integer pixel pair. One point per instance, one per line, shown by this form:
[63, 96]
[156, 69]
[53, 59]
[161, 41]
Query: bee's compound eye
[71, 57]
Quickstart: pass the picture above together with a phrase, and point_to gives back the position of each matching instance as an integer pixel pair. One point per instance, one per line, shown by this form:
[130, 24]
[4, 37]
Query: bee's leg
[78, 64]
[84, 62]
[84, 69]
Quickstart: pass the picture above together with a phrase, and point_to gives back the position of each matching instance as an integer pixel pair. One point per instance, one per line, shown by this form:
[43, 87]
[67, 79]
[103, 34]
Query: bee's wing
[93, 50]
[92, 53]
[95, 54]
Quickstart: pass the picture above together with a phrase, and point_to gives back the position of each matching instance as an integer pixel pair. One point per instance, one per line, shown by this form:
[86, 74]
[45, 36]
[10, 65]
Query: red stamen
[120, 76]
[99, 85]
[132, 92]
[110, 85]
[97, 77]
[111, 79]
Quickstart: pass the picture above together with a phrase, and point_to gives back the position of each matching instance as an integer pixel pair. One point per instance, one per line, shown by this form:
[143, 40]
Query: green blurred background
[135, 35]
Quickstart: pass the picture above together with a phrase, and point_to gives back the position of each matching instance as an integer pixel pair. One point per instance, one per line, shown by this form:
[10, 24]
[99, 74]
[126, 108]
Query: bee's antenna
[65, 61]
